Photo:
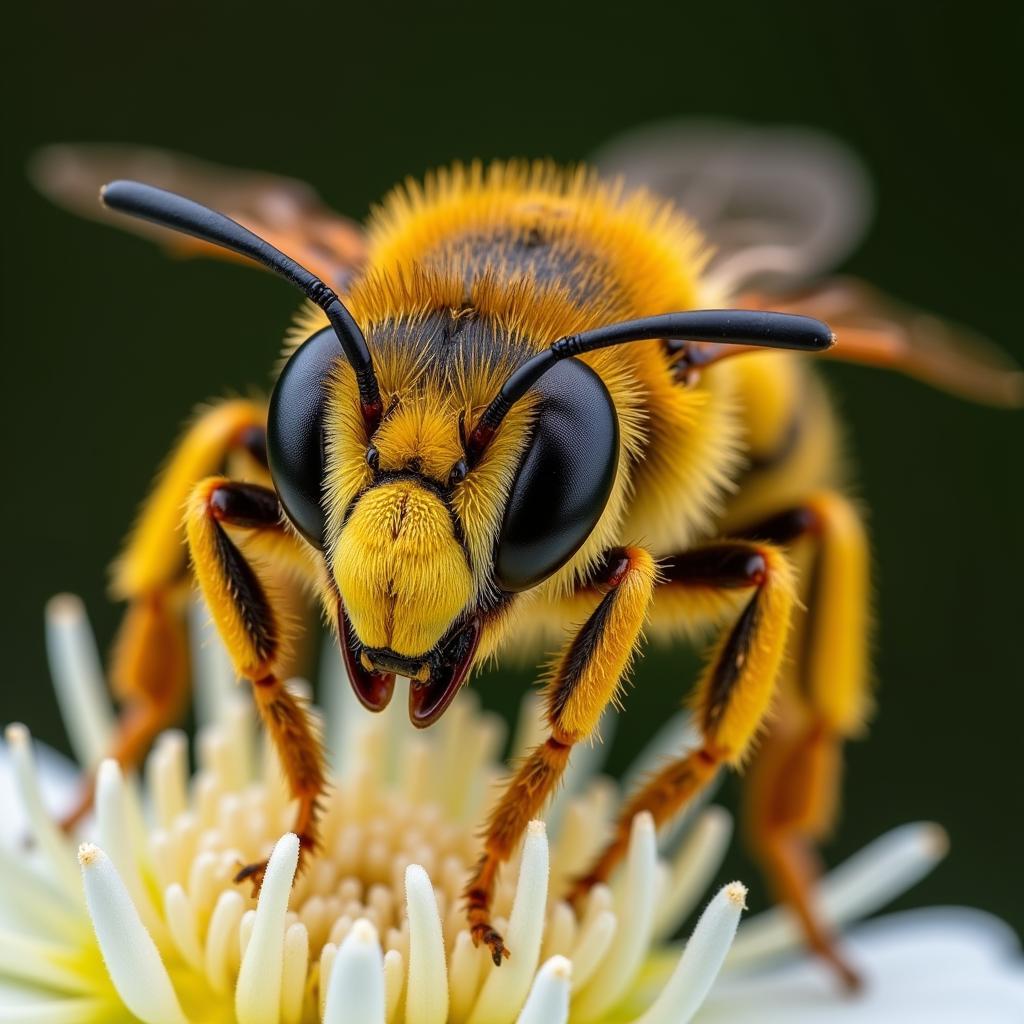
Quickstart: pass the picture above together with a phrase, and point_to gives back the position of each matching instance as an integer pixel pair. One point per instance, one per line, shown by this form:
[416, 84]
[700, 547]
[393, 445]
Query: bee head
[420, 549]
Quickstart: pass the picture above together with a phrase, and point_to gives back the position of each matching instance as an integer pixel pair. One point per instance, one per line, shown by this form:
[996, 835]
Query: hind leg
[793, 786]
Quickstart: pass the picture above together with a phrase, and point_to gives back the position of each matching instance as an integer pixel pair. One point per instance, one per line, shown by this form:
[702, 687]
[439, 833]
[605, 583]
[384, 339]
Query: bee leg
[249, 621]
[583, 680]
[792, 789]
[736, 689]
[791, 794]
[149, 670]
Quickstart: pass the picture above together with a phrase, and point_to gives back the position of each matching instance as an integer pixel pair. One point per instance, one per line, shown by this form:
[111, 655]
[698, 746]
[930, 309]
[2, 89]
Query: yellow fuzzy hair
[445, 248]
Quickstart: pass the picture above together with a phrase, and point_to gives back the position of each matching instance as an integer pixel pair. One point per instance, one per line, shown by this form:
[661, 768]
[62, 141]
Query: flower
[148, 925]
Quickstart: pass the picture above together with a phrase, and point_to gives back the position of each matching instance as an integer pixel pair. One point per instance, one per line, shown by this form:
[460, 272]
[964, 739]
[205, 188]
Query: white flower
[147, 924]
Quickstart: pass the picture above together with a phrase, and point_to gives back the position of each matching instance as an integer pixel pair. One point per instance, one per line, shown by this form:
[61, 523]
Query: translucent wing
[782, 207]
[778, 205]
[873, 329]
[284, 211]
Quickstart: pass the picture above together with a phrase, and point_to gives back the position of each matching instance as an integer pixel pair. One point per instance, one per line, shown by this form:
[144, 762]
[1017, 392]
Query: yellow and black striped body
[722, 514]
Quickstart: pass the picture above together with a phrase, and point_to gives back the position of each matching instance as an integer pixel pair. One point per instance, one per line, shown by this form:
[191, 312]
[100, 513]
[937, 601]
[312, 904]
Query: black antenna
[170, 210]
[724, 326]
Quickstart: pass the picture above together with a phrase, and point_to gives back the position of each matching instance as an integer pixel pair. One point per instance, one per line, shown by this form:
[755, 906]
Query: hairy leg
[583, 680]
[250, 622]
[793, 787]
[736, 689]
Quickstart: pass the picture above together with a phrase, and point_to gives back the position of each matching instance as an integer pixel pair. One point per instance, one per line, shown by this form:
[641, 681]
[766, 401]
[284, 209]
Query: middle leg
[736, 690]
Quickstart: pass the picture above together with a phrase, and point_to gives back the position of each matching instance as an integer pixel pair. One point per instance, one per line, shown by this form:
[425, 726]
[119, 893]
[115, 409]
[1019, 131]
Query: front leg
[251, 628]
[584, 679]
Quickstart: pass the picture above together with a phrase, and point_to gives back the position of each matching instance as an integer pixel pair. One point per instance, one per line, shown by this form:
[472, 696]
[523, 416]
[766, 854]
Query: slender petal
[132, 959]
[693, 869]
[258, 991]
[548, 1001]
[592, 948]
[507, 986]
[864, 883]
[116, 839]
[636, 920]
[427, 1001]
[355, 992]
[701, 960]
[221, 935]
[78, 679]
[53, 844]
[293, 979]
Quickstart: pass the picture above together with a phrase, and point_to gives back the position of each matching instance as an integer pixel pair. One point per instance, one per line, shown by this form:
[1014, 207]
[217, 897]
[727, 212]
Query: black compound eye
[564, 480]
[295, 435]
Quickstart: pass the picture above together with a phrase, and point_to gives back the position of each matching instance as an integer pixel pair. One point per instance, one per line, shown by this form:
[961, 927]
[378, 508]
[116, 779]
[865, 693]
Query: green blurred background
[108, 345]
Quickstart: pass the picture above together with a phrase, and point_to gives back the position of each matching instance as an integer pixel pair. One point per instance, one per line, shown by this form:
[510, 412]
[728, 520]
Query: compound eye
[564, 480]
[295, 434]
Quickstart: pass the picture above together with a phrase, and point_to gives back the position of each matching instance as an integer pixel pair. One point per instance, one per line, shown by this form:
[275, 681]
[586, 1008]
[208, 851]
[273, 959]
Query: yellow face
[407, 545]
[402, 573]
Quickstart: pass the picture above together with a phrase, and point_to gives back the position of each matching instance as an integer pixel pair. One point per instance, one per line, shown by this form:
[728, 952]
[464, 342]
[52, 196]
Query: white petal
[167, 776]
[293, 977]
[592, 948]
[693, 869]
[507, 986]
[701, 960]
[464, 975]
[548, 1001]
[132, 959]
[867, 881]
[78, 679]
[116, 840]
[258, 990]
[58, 780]
[52, 843]
[394, 982]
[427, 1000]
[33, 1006]
[678, 733]
[222, 939]
[636, 920]
[931, 966]
[36, 962]
[356, 992]
[182, 924]
[32, 904]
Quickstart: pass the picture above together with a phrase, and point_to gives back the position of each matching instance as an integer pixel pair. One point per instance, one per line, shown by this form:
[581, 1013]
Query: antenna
[724, 326]
[170, 210]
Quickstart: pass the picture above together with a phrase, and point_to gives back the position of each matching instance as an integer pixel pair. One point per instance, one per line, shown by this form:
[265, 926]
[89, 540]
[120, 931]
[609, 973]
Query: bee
[529, 406]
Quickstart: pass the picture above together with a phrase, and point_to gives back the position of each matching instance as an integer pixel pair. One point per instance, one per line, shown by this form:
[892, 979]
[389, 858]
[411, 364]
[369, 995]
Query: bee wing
[778, 205]
[781, 207]
[287, 213]
[875, 330]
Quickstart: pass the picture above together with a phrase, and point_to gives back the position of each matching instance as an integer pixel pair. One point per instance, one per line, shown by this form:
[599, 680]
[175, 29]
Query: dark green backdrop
[107, 345]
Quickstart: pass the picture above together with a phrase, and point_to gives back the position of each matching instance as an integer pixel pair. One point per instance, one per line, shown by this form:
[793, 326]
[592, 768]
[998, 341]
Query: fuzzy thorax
[401, 572]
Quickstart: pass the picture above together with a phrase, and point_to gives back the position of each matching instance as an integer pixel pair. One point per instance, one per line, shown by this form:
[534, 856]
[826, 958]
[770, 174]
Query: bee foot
[486, 934]
[252, 873]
